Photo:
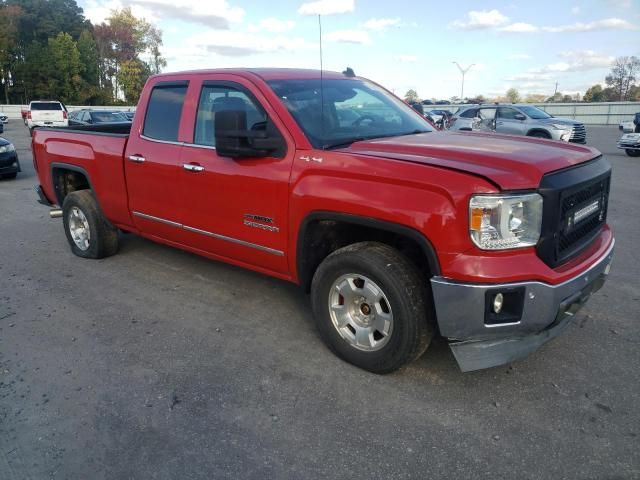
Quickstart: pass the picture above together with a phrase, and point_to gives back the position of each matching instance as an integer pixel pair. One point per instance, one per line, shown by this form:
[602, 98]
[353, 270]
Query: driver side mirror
[235, 141]
[519, 116]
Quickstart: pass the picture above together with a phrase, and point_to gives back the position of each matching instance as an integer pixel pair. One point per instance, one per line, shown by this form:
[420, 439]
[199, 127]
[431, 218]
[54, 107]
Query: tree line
[620, 85]
[49, 50]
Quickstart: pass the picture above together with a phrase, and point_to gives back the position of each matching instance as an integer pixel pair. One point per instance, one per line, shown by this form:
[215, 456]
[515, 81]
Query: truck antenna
[321, 78]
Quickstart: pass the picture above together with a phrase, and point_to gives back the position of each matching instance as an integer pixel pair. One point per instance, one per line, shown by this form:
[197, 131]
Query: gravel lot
[158, 364]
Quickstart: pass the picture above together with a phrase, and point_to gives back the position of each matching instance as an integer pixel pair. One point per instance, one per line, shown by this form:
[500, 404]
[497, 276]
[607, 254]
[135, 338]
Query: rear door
[152, 162]
[509, 120]
[485, 119]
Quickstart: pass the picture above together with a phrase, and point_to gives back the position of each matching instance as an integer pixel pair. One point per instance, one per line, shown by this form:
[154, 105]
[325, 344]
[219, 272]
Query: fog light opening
[498, 302]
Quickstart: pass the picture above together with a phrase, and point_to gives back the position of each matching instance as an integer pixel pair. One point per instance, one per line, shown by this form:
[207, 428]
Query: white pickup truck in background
[46, 114]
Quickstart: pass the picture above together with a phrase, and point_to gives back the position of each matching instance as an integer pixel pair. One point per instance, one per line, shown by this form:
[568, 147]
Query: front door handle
[137, 158]
[193, 168]
[500, 123]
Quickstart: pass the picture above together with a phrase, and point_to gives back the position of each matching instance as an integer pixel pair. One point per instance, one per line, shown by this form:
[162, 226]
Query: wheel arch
[67, 178]
[539, 130]
[322, 232]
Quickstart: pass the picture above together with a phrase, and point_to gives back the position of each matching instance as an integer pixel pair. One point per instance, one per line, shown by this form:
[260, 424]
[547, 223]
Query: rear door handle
[137, 158]
[193, 168]
[500, 123]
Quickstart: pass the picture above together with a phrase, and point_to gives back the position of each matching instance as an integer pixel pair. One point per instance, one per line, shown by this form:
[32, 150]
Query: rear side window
[162, 120]
[46, 106]
[471, 113]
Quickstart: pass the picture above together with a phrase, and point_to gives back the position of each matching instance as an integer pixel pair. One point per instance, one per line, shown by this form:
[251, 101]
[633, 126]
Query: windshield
[535, 113]
[46, 106]
[353, 110]
[106, 117]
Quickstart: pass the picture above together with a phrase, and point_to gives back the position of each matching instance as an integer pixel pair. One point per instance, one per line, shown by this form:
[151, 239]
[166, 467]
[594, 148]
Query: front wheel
[371, 306]
[632, 153]
[89, 233]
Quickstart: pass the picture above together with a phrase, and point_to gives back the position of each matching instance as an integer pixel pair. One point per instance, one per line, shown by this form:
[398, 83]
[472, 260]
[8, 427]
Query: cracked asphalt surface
[158, 364]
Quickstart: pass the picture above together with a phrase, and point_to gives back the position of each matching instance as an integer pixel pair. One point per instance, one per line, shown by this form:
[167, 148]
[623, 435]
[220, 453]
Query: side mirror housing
[235, 141]
[519, 116]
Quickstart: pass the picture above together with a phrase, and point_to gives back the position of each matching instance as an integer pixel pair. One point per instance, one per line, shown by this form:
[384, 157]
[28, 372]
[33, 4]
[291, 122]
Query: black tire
[9, 176]
[632, 153]
[540, 135]
[408, 296]
[103, 241]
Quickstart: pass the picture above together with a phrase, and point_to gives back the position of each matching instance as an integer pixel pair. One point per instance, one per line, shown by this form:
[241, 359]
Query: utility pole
[463, 71]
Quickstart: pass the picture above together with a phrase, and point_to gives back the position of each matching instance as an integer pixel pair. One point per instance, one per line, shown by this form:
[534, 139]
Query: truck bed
[95, 150]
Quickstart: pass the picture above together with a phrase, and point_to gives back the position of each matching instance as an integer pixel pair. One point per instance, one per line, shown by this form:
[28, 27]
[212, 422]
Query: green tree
[35, 71]
[131, 77]
[9, 20]
[594, 94]
[125, 39]
[65, 80]
[411, 96]
[513, 95]
[623, 76]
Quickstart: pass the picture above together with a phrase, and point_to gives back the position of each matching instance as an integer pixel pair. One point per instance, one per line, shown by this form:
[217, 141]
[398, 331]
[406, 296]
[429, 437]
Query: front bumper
[547, 310]
[9, 163]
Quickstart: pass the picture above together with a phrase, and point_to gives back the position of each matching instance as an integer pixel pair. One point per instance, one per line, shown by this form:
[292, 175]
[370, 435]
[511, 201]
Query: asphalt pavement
[159, 364]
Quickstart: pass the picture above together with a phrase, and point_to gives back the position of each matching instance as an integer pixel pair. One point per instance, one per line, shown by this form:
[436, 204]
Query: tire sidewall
[403, 317]
[89, 211]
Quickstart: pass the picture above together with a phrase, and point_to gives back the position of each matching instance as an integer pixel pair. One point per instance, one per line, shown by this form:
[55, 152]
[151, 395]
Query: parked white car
[626, 126]
[47, 113]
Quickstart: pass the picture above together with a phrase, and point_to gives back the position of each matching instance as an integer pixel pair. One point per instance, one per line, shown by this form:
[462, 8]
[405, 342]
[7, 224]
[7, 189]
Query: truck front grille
[579, 134]
[575, 210]
[583, 213]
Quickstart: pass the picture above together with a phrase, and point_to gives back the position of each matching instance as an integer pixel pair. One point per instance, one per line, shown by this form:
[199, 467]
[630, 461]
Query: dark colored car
[93, 117]
[9, 164]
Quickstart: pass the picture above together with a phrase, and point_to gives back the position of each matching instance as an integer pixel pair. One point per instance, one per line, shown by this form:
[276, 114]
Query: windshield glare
[535, 113]
[353, 110]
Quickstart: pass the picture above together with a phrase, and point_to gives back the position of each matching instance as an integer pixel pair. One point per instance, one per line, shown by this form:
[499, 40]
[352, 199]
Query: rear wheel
[89, 233]
[372, 307]
[632, 153]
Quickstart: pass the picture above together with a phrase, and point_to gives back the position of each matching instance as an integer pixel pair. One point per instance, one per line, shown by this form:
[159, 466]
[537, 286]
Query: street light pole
[463, 71]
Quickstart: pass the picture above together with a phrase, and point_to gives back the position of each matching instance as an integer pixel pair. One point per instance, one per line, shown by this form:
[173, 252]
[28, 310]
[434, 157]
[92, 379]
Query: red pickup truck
[331, 182]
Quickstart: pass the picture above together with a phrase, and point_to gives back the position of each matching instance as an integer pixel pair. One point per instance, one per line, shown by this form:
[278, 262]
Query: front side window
[507, 113]
[162, 120]
[341, 111]
[214, 99]
[535, 113]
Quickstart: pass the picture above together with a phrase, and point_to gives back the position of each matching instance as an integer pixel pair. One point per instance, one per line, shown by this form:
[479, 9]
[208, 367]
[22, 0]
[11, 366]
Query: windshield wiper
[343, 143]
[347, 143]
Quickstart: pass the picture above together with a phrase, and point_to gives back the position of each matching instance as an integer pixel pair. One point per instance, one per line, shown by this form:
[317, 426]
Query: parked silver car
[518, 120]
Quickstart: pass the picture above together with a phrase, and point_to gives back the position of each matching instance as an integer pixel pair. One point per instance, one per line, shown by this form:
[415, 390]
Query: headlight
[7, 148]
[499, 222]
[560, 126]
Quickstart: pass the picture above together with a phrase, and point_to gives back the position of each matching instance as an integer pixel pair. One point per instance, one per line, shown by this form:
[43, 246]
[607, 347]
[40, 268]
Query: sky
[402, 44]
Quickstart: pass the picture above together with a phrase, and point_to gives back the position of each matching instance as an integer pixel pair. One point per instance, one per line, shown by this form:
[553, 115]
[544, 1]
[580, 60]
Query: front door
[235, 208]
[509, 120]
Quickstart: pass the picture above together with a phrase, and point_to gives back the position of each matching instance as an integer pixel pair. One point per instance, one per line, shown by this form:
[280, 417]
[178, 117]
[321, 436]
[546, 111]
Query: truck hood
[559, 121]
[510, 162]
